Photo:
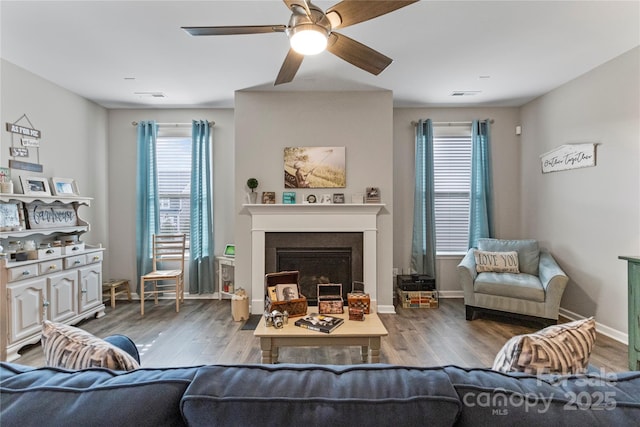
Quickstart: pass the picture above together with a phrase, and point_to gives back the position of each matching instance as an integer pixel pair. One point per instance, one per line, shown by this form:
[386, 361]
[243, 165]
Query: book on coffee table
[319, 322]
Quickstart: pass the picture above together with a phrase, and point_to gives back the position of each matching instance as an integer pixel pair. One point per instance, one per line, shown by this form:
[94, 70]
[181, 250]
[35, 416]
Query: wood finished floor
[204, 333]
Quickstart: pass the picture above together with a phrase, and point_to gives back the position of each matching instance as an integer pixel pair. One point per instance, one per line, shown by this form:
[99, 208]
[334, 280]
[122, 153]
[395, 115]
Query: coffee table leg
[374, 343]
[265, 346]
[365, 353]
[274, 354]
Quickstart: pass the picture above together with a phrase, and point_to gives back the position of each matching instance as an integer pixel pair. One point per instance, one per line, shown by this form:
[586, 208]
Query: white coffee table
[365, 334]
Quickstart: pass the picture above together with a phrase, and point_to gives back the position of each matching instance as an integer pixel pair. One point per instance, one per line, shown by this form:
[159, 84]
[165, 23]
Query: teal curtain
[147, 221]
[201, 257]
[423, 245]
[481, 203]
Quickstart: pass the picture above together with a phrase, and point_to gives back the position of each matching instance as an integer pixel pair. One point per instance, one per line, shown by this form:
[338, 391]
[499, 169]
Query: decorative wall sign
[29, 142]
[569, 156]
[25, 166]
[18, 152]
[14, 128]
[51, 215]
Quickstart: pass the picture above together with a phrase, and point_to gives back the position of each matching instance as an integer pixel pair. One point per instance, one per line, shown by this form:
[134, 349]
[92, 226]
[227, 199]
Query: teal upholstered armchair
[512, 277]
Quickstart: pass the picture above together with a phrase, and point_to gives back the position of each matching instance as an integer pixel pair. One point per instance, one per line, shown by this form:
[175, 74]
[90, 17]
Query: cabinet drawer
[74, 261]
[50, 266]
[49, 253]
[73, 249]
[24, 272]
[94, 257]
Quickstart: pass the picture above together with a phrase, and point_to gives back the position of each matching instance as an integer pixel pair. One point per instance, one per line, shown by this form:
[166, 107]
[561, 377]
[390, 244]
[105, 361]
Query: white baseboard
[451, 294]
[386, 309]
[602, 329]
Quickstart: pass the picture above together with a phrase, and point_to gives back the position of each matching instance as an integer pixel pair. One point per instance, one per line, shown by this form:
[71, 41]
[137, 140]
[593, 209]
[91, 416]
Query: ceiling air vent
[465, 92]
[150, 94]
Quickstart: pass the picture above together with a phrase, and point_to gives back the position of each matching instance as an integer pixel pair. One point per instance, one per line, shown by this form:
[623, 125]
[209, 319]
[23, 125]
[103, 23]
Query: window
[173, 158]
[452, 182]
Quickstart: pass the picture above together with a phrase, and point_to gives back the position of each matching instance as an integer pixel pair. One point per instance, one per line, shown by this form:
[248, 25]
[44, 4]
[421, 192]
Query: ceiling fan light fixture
[308, 39]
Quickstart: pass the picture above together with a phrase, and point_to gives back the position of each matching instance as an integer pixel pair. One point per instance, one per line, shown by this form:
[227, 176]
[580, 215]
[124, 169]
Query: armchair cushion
[520, 286]
[528, 251]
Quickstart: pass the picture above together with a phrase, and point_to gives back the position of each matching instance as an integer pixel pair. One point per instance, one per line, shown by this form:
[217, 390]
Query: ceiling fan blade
[234, 29]
[357, 54]
[351, 12]
[289, 67]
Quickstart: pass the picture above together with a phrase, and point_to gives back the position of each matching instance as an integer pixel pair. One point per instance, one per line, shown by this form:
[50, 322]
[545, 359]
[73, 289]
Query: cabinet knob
[95, 258]
[26, 273]
[49, 252]
[84, 291]
[77, 262]
[52, 267]
[45, 304]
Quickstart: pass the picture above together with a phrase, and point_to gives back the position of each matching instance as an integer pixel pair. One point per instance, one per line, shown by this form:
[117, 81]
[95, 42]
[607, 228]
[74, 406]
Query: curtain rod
[413, 122]
[177, 125]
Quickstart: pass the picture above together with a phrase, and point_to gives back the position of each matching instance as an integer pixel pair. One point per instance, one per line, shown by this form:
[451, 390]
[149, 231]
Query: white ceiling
[508, 51]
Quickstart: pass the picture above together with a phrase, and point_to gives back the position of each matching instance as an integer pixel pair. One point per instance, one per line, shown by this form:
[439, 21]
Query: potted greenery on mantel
[252, 183]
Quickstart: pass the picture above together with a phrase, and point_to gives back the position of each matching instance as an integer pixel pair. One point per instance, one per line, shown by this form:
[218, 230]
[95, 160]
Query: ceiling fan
[310, 31]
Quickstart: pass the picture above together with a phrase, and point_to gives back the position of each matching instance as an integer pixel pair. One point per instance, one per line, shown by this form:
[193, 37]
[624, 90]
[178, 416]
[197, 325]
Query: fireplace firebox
[319, 257]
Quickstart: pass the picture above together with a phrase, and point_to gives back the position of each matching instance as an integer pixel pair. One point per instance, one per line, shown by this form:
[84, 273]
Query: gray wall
[266, 122]
[122, 179]
[588, 217]
[73, 143]
[505, 155]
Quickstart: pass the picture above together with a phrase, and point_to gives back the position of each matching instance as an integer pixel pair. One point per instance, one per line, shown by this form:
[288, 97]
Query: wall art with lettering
[569, 156]
[50, 215]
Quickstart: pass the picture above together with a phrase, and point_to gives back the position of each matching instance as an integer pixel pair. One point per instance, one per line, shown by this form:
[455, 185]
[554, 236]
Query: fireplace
[314, 219]
[319, 257]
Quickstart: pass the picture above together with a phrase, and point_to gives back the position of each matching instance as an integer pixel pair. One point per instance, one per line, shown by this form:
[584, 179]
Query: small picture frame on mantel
[289, 197]
[268, 197]
[373, 195]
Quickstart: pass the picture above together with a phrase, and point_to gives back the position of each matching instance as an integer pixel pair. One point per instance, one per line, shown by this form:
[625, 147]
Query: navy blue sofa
[313, 395]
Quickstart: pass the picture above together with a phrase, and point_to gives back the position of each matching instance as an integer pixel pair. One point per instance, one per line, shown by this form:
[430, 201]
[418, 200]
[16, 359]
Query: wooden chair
[166, 248]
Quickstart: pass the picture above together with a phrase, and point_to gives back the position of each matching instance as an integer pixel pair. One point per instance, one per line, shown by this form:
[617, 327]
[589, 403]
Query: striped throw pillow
[557, 349]
[72, 348]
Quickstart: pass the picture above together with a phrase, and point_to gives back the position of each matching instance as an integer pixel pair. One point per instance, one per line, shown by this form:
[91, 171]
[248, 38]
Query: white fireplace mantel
[339, 218]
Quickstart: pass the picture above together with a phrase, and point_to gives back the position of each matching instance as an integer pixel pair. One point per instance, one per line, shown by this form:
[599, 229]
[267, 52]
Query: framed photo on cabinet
[64, 187]
[35, 185]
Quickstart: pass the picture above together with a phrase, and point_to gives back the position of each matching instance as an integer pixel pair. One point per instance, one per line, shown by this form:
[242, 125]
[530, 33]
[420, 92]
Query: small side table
[111, 287]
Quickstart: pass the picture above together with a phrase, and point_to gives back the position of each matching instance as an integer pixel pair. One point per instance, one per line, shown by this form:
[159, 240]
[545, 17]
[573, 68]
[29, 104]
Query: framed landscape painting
[314, 167]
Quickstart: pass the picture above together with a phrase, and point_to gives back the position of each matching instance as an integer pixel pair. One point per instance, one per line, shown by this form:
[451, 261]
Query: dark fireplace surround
[320, 257]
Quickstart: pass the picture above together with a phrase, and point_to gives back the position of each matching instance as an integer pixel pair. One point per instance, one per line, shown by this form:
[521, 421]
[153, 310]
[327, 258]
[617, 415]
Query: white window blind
[452, 183]
[173, 159]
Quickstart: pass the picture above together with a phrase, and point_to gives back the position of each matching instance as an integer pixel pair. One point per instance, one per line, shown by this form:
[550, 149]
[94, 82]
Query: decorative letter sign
[43, 215]
[569, 156]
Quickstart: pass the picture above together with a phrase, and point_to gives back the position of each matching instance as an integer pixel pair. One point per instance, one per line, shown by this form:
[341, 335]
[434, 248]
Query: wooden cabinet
[633, 273]
[62, 290]
[27, 309]
[62, 284]
[90, 286]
